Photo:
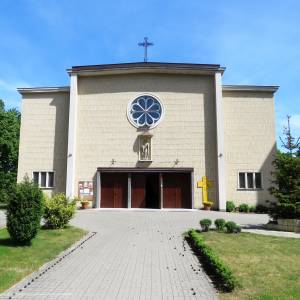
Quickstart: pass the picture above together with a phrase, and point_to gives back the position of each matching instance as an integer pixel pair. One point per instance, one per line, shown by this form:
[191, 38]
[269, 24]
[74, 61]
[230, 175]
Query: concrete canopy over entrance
[154, 188]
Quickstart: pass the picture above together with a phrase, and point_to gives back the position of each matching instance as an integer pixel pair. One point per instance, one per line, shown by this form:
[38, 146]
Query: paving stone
[134, 255]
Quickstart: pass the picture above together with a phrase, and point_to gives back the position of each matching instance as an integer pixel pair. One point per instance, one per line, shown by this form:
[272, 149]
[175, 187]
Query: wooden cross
[205, 184]
[145, 44]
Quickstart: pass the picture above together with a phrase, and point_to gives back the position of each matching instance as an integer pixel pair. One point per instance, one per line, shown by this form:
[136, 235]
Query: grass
[267, 267]
[18, 261]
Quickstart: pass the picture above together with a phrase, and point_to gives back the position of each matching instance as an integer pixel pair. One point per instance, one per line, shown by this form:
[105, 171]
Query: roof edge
[145, 67]
[251, 88]
[58, 89]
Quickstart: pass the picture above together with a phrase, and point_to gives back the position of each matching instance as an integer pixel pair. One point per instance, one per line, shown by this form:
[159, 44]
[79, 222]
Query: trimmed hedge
[230, 206]
[220, 224]
[244, 208]
[232, 227]
[205, 224]
[225, 278]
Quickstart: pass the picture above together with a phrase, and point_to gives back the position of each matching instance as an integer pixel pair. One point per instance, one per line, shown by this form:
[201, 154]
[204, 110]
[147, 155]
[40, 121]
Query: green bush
[297, 210]
[244, 208]
[224, 275]
[220, 224]
[261, 209]
[24, 211]
[232, 227]
[230, 206]
[285, 211]
[205, 224]
[58, 211]
[252, 208]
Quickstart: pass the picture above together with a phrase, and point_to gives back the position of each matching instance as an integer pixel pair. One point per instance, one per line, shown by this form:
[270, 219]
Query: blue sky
[257, 41]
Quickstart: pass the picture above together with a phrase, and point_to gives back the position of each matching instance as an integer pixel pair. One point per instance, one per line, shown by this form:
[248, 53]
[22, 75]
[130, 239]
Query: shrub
[297, 210]
[261, 209]
[285, 211]
[24, 211]
[225, 278]
[220, 224]
[232, 227]
[205, 224]
[244, 208]
[252, 208]
[58, 211]
[230, 206]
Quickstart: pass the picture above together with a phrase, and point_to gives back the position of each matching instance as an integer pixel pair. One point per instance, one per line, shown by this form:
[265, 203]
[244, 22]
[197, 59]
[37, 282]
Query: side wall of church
[187, 132]
[44, 137]
[250, 143]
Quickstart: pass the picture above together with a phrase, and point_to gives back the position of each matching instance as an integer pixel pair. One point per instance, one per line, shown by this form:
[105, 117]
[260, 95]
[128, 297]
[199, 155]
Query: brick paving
[134, 255]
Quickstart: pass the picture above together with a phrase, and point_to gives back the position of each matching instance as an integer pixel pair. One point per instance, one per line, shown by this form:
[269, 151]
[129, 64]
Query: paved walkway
[134, 255]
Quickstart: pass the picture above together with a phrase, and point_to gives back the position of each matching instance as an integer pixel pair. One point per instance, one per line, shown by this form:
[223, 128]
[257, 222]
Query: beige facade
[249, 134]
[44, 136]
[186, 137]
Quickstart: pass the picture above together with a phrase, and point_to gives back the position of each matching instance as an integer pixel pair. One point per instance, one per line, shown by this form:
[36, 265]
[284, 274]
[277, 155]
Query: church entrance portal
[148, 188]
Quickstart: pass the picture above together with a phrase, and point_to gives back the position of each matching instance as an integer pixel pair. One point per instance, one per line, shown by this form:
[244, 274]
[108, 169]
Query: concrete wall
[44, 136]
[187, 132]
[249, 122]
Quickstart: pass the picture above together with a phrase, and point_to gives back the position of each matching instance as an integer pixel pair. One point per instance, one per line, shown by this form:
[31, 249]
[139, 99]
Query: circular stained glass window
[145, 111]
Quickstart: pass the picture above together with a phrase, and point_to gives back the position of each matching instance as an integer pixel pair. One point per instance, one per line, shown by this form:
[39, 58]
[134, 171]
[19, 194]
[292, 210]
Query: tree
[9, 148]
[291, 143]
[286, 182]
[24, 211]
[287, 178]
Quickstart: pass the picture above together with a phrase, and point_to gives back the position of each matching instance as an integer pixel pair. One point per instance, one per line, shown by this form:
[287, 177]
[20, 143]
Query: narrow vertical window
[50, 179]
[250, 182]
[36, 177]
[258, 183]
[43, 179]
[242, 181]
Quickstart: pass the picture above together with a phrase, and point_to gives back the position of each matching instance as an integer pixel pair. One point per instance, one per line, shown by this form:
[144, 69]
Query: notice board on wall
[85, 190]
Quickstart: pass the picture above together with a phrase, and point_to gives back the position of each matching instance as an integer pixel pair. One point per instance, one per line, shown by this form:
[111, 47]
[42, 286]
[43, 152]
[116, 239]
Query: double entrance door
[145, 190]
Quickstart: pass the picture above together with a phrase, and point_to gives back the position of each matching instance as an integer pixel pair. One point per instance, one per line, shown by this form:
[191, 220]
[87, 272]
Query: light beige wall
[187, 132]
[44, 136]
[249, 125]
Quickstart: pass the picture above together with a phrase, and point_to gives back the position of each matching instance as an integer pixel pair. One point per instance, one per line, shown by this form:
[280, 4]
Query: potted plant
[207, 205]
[84, 204]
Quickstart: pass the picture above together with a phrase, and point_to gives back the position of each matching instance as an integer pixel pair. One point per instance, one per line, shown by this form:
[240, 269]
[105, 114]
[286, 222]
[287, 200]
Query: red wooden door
[138, 190]
[176, 190]
[114, 190]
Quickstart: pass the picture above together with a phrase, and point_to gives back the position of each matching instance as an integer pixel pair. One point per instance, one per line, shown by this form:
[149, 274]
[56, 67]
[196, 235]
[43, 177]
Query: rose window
[145, 111]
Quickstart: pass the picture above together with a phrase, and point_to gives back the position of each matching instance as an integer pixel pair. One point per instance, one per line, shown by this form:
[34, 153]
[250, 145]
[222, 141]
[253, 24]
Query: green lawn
[18, 261]
[267, 267]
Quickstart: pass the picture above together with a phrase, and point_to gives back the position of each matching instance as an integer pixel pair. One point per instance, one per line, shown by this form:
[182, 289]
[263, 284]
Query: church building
[146, 135]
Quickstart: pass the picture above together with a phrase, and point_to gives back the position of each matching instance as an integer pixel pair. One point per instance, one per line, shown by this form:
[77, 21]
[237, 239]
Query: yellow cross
[205, 184]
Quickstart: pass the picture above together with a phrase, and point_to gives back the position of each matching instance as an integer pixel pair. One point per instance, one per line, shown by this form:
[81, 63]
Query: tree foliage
[287, 178]
[9, 147]
[289, 142]
[286, 182]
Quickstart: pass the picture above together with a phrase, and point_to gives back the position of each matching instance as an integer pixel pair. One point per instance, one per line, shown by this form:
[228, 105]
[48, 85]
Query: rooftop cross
[145, 44]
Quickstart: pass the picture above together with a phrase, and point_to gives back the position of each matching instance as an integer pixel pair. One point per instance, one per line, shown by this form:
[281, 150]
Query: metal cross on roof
[145, 44]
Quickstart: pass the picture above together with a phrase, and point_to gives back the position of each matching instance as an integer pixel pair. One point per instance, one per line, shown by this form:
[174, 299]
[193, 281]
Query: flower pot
[84, 205]
[207, 206]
